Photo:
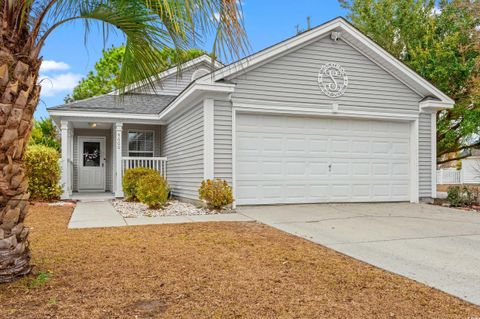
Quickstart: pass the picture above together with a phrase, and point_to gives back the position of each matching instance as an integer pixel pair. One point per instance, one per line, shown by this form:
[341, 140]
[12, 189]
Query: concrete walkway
[434, 245]
[94, 214]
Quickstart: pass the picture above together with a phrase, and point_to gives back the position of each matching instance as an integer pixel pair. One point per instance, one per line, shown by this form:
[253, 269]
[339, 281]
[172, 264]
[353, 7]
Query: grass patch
[206, 270]
[40, 280]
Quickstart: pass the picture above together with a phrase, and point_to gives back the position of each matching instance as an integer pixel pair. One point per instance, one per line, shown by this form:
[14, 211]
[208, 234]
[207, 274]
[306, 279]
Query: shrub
[131, 178]
[43, 172]
[152, 190]
[216, 193]
[460, 196]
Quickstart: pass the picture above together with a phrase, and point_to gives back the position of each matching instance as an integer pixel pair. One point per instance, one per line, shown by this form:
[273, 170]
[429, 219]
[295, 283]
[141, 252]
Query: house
[325, 116]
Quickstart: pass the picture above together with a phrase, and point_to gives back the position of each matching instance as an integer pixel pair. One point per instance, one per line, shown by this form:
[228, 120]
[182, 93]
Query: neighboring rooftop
[129, 103]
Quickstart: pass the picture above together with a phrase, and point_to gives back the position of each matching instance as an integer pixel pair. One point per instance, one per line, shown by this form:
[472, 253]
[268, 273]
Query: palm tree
[148, 26]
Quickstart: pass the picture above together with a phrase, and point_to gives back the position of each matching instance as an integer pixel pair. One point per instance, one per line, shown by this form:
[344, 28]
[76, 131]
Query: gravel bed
[172, 208]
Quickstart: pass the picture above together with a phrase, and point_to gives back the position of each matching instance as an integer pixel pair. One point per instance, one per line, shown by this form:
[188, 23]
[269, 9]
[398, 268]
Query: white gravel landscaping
[172, 208]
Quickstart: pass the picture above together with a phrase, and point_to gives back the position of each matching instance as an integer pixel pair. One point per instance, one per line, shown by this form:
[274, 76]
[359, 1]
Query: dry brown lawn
[206, 270]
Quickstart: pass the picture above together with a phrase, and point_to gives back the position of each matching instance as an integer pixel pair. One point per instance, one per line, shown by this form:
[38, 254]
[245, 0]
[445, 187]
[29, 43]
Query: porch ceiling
[92, 125]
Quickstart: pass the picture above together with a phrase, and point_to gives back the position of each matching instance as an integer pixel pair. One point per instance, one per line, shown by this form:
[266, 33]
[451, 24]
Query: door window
[91, 154]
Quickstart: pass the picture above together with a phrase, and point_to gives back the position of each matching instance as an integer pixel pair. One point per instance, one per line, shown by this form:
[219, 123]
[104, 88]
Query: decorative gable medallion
[332, 79]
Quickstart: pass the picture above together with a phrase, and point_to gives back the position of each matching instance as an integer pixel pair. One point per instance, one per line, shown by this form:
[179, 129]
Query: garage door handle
[329, 167]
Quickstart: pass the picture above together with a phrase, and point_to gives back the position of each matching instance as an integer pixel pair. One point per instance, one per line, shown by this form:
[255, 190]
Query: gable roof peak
[342, 29]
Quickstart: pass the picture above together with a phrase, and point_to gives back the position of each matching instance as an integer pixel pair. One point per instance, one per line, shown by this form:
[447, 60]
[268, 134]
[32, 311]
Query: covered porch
[97, 152]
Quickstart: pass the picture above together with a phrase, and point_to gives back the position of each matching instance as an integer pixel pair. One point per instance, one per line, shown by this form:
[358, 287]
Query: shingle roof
[130, 103]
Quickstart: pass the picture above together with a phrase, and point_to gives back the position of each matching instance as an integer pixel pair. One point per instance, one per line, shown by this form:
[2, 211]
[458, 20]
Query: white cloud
[216, 16]
[61, 83]
[50, 65]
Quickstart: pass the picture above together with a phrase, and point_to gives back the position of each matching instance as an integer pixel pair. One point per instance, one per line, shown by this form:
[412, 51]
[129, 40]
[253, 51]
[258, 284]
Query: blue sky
[67, 57]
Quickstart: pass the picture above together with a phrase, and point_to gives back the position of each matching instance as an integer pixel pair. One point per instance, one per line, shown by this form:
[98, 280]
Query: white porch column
[434, 153]
[65, 178]
[208, 139]
[118, 159]
[70, 159]
[414, 167]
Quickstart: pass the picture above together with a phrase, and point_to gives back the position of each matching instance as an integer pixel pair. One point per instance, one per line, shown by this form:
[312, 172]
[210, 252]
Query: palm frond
[148, 25]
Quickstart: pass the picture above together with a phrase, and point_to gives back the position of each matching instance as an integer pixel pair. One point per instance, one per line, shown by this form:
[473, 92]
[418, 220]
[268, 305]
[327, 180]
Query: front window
[140, 143]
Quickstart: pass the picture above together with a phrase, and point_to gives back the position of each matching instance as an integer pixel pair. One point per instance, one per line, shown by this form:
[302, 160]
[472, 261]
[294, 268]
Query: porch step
[92, 197]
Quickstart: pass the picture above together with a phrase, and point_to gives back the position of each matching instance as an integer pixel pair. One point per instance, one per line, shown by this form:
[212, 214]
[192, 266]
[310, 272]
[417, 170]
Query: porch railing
[156, 163]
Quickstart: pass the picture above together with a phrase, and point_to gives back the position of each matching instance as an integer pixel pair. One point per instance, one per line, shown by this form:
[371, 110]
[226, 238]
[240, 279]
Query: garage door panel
[400, 170]
[272, 144]
[340, 169]
[360, 147]
[300, 160]
[361, 191]
[339, 146]
[318, 169]
[341, 192]
[295, 145]
[248, 168]
[318, 146]
[272, 168]
[381, 148]
[361, 169]
[319, 192]
[400, 148]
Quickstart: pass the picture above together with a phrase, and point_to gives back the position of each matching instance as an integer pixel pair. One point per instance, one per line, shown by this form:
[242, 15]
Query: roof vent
[336, 35]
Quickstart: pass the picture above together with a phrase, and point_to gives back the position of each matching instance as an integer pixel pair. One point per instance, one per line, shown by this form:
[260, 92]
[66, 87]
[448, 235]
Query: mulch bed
[206, 270]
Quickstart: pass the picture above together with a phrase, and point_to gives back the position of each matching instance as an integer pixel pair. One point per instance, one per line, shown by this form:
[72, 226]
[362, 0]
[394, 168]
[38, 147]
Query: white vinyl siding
[182, 144]
[425, 154]
[108, 163]
[292, 81]
[223, 140]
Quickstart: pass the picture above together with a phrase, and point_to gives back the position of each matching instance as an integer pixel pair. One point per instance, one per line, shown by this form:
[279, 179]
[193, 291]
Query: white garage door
[289, 159]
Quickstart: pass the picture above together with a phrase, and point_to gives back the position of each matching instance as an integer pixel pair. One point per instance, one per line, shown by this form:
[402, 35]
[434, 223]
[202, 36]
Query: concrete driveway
[437, 246]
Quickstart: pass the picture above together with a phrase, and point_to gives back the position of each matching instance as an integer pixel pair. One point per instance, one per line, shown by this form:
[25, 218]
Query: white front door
[292, 159]
[91, 163]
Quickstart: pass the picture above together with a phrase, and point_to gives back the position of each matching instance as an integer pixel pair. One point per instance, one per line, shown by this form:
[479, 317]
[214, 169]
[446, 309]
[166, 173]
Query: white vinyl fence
[469, 174]
[449, 176]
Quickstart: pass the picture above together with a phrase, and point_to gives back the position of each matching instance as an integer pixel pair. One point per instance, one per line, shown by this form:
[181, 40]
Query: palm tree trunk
[19, 94]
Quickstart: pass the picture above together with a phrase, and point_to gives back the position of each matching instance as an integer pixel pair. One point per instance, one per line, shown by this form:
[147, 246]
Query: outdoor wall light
[93, 125]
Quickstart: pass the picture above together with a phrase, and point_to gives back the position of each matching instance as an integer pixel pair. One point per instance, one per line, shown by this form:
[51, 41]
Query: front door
[91, 163]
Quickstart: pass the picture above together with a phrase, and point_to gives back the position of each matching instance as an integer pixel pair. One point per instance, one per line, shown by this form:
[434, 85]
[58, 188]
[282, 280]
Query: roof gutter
[434, 106]
[104, 115]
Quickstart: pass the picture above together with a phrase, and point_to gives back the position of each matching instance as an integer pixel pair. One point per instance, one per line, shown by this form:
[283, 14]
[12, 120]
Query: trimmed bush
[216, 193]
[460, 196]
[131, 178]
[152, 190]
[43, 172]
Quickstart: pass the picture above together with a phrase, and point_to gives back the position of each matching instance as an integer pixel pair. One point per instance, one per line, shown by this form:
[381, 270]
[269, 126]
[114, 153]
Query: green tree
[105, 77]
[440, 40]
[45, 133]
[148, 27]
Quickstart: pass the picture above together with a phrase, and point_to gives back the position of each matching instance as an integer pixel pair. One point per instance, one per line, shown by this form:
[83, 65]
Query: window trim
[143, 131]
